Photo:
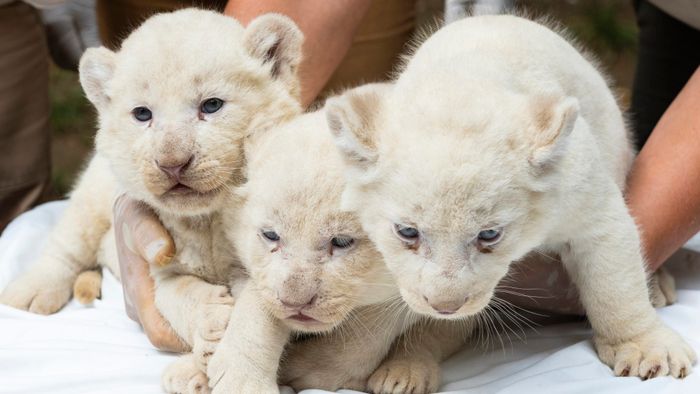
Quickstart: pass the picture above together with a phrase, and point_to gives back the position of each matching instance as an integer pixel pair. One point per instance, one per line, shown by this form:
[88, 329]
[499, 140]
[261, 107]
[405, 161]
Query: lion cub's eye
[489, 237]
[209, 106]
[271, 235]
[342, 242]
[406, 233]
[142, 114]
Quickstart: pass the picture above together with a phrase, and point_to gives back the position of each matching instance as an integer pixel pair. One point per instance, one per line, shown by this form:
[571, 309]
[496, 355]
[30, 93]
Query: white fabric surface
[99, 350]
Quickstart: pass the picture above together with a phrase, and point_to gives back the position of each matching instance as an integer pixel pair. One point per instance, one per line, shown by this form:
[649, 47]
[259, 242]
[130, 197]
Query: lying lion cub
[310, 264]
[500, 138]
[175, 105]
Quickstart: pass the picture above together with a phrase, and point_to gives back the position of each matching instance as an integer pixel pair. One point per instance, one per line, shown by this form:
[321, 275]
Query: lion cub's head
[176, 101]
[451, 179]
[310, 261]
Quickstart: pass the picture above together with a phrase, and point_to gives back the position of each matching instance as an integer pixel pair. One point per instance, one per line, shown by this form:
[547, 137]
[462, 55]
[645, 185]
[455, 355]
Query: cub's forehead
[296, 175]
[300, 212]
[187, 42]
[450, 196]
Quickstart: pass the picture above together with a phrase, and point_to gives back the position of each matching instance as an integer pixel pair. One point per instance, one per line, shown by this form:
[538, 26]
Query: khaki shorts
[24, 111]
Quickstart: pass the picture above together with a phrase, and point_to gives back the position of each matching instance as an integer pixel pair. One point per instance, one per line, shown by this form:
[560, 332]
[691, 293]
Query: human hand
[142, 240]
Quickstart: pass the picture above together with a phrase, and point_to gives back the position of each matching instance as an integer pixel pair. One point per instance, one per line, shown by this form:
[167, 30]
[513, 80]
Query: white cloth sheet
[99, 350]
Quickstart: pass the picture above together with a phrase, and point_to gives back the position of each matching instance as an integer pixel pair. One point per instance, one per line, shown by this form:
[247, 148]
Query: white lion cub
[175, 104]
[310, 263]
[500, 138]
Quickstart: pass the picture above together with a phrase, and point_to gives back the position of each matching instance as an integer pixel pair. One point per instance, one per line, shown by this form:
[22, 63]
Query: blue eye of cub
[142, 114]
[271, 236]
[489, 235]
[342, 242]
[209, 106]
[405, 232]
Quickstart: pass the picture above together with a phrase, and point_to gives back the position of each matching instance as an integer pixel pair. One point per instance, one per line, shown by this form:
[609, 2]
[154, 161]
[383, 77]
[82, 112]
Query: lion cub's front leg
[247, 359]
[71, 247]
[197, 311]
[608, 268]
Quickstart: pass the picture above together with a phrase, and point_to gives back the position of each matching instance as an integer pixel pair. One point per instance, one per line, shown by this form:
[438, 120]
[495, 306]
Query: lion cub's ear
[276, 41]
[96, 69]
[554, 120]
[352, 119]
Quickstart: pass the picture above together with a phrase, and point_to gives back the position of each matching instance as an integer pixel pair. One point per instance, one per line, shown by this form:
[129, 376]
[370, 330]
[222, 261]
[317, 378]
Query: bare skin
[662, 190]
[662, 193]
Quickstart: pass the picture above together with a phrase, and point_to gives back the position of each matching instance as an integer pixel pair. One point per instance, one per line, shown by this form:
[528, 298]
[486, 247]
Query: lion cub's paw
[88, 287]
[662, 288]
[414, 375]
[184, 377]
[658, 352]
[226, 377]
[43, 295]
[212, 320]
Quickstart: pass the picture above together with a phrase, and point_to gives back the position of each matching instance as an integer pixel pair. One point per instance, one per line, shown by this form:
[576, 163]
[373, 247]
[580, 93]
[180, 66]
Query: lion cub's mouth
[179, 188]
[300, 317]
[182, 190]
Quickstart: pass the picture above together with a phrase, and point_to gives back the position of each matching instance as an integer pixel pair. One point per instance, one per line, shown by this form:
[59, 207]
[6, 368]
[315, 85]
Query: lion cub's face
[177, 100]
[450, 194]
[311, 262]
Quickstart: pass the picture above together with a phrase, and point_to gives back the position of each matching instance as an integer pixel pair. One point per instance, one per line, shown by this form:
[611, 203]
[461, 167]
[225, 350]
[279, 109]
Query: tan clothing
[24, 110]
[117, 18]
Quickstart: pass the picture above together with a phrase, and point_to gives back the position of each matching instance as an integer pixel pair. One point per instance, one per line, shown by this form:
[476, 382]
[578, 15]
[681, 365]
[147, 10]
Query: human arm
[662, 190]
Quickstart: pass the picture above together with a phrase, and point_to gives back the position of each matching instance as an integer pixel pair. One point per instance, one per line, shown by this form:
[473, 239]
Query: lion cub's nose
[446, 307]
[296, 304]
[174, 170]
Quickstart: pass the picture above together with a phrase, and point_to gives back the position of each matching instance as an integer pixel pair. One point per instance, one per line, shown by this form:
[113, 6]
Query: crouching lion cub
[175, 105]
[500, 138]
[310, 264]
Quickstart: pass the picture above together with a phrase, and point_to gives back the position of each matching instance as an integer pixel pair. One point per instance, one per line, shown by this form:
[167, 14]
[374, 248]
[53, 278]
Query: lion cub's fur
[498, 123]
[171, 65]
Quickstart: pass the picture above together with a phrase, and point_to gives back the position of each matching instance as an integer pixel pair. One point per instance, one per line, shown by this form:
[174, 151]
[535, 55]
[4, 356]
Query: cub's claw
[659, 352]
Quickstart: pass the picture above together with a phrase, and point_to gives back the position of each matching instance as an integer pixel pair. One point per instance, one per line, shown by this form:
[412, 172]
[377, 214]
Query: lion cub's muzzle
[184, 178]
